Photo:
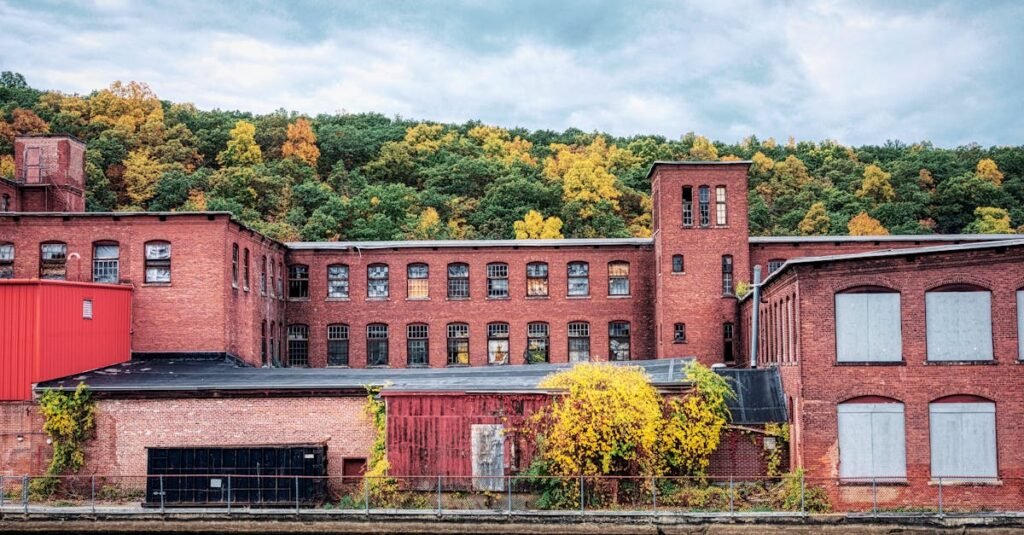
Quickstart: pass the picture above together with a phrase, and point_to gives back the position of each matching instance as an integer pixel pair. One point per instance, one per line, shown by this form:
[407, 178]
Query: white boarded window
[1020, 323]
[959, 325]
[868, 327]
[872, 441]
[963, 440]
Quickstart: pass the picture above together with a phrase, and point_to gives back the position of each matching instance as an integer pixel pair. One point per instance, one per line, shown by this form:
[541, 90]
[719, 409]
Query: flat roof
[695, 163]
[155, 375]
[406, 244]
[887, 238]
[759, 395]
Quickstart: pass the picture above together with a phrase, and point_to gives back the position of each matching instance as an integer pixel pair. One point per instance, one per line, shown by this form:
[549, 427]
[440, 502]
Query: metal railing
[509, 495]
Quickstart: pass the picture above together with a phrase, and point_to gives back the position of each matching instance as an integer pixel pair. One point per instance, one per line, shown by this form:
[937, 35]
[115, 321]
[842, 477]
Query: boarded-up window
[488, 450]
[963, 440]
[872, 441]
[53, 259]
[959, 325]
[158, 262]
[868, 327]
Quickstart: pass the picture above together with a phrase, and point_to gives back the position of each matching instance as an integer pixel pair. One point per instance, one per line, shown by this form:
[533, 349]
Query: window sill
[498, 298]
[378, 298]
[244, 289]
[417, 299]
[545, 297]
[729, 296]
[966, 482]
[420, 366]
[378, 366]
[458, 299]
[867, 482]
[620, 297]
[870, 363]
[298, 299]
[340, 299]
[155, 284]
[680, 342]
[339, 366]
[677, 272]
[992, 362]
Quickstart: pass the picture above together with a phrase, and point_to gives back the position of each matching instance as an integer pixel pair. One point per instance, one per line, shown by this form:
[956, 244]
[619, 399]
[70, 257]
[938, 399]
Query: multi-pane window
[270, 288]
[704, 203]
[263, 276]
[579, 341]
[234, 265]
[618, 340]
[728, 337]
[377, 281]
[536, 279]
[337, 345]
[106, 262]
[618, 278]
[298, 281]
[416, 344]
[298, 345]
[579, 279]
[720, 213]
[774, 265]
[959, 324]
[678, 266]
[458, 344]
[497, 343]
[727, 286]
[872, 442]
[53, 259]
[868, 326]
[458, 281]
[497, 280]
[963, 440]
[687, 206]
[337, 281]
[158, 262]
[6, 261]
[418, 277]
[280, 280]
[679, 333]
[245, 270]
[377, 344]
[537, 342]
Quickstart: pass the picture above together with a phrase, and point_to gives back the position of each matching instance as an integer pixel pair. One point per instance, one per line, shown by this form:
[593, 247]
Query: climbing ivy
[70, 421]
[773, 456]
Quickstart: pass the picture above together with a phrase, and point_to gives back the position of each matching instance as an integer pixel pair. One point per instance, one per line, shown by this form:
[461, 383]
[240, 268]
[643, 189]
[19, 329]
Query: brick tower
[49, 175]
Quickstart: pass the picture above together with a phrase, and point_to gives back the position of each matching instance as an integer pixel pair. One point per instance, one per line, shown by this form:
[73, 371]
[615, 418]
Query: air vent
[87, 309]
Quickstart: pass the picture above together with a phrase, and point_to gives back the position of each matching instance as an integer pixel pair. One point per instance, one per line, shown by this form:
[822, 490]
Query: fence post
[654, 493]
[439, 506]
[731, 494]
[2, 495]
[162, 494]
[24, 493]
[366, 494]
[296, 495]
[229, 494]
[508, 484]
[92, 493]
[803, 488]
[940, 495]
[581, 494]
[874, 496]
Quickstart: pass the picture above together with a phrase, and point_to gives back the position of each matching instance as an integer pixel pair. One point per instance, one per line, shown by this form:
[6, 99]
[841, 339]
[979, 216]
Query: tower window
[677, 263]
[727, 287]
[720, 214]
[687, 206]
[704, 198]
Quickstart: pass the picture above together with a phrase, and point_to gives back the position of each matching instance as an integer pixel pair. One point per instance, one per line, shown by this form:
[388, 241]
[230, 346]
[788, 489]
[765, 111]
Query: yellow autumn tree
[864, 225]
[876, 185]
[703, 150]
[694, 423]
[242, 149]
[585, 172]
[499, 144]
[990, 220]
[816, 221]
[301, 142]
[141, 174]
[762, 165]
[7, 166]
[131, 109]
[535, 226]
[429, 225]
[988, 171]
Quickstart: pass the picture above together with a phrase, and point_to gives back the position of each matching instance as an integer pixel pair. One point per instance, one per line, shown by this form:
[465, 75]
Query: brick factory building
[204, 285]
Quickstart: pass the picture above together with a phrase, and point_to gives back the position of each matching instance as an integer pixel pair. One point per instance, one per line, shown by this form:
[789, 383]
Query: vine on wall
[70, 421]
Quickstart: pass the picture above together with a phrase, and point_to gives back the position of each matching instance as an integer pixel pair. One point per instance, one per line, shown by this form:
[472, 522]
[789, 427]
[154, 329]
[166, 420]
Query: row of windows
[106, 261]
[728, 288]
[958, 324]
[962, 433]
[265, 288]
[458, 343]
[704, 206]
[418, 275]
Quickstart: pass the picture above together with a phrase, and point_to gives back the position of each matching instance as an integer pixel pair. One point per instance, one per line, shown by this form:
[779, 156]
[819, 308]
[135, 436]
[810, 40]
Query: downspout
[755, 330]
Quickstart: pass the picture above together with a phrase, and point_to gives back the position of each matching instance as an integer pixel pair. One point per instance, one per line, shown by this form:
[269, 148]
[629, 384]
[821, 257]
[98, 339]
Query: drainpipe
[755, 314]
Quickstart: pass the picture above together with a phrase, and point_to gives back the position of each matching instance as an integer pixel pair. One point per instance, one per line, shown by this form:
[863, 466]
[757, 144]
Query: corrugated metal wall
[43, 334]
[431, 434]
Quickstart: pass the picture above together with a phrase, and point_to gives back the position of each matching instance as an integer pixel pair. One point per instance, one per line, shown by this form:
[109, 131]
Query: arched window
[963, 438]
[687, 206]
[704, 200]
[678, 266]
[497, 343]
[106, 262]
[872, 440]
[6, 260]
[337, 345]
[377, 285]
[497, 280]
[53, 258]
[579, 341]
[727, 279]
[337, 281]
[377, 344]
[579, 279]
[458, 344]
[618, 278]
[234, 265]
[418, 281]
[868, 325]
[298, 281]
[298, 345]
[618, 340]
[458, 281]
[245, 269]
[728, 345]
[537, 279]
[959, 323]
[263, 276]
[537, 342]
[417, 345]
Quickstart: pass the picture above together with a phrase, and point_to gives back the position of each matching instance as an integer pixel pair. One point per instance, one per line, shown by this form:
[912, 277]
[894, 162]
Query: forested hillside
[370, 177]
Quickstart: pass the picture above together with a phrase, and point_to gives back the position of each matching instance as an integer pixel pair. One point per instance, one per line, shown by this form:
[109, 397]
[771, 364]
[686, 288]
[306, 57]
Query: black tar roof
[759, 395]
[159, 375]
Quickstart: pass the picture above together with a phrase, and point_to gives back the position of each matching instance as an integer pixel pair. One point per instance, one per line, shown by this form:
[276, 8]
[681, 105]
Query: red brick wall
[125, 428]
[819, 384]
[518, 310]
[29, 455]
[246, 307]
[740, 454]
[63, 160]
[10, 189]
[695, 297]
[194, 313]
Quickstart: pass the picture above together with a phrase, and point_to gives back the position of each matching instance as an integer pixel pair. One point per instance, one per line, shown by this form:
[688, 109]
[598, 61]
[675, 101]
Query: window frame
[728, 282]
[728, 341]
[298, 345]
[536, 281]
[845, 336]
[581, 337]
[377, 343]
[46, 265]
[721, 212]
[498, 335]
[618, 278]
[617, 337]
[338, 345]
[417, 333]
[679, 261]
[263, 276]
[7, 262]
[458, 285]
[937, 350]
[984, 413]
[704, 205]
[577, 279]
[245, 269]
[851, 442]
[234, 265]
[534, 335]
[677, 329]
[157, 262]
[106, 263]
[339, 283]
[457, 338]
[424, 286]
[775, 264]
[687, 206]
[378, 286]
[497, 280]
[298, 282]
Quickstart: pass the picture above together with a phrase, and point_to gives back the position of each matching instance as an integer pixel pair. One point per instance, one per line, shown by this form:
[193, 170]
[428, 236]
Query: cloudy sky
[950, 72]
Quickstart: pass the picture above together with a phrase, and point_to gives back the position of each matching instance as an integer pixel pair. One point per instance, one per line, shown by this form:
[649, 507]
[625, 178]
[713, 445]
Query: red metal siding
[430, 434]
[44, 334]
